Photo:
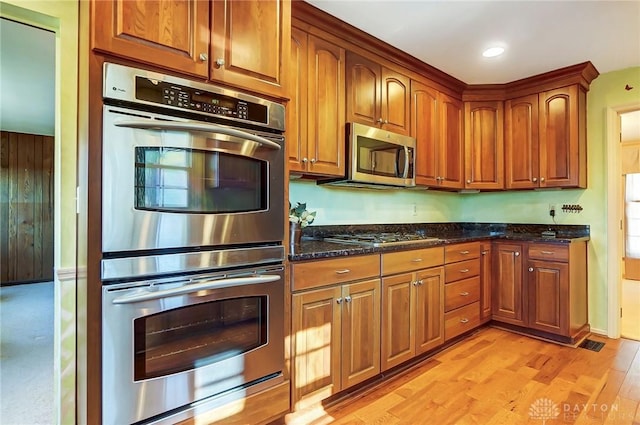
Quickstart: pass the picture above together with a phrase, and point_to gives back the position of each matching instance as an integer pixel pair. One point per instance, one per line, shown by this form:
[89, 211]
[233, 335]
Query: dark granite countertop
[313, 246]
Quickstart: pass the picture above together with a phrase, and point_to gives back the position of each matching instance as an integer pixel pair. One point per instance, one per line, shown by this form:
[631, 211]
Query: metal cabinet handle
[547, 252]
[464, 271]
[530, 269]
[219, 63]
[386, 121]
[304, 160]
[465, 252]
[313, 160]
[343, 271]
[347, 299]
[464, 320]
[517, 254]
[414, 283]
[469, 181]
[416, 260]
[339, 300]
[464, 294]
[535, 179]
[203, 57]
[484, 252]
[541, 179]
[380, 120]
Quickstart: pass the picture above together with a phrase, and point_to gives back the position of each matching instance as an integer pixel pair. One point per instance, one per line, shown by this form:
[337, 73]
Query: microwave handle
[182, 126]
[187, 289]
[406, 163]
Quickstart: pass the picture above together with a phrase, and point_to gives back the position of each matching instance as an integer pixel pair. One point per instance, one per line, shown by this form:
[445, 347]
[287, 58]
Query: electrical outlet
[552, 210]
[414, 209]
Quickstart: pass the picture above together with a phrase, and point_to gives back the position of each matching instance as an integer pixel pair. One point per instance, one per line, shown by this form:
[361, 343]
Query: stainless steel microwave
[377, 159]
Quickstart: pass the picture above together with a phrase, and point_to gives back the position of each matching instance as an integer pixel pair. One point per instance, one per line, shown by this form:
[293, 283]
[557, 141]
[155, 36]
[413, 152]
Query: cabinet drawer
[338, 270]
[415, 259]
[460, 320]
[461, 270]
[549, 252]
[461, 293]
[461, 251]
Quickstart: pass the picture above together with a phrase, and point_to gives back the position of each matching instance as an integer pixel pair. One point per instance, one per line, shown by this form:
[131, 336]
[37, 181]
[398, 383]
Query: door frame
[615, 234]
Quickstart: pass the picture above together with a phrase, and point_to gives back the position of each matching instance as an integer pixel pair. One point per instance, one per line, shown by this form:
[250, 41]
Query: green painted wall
[355, 206]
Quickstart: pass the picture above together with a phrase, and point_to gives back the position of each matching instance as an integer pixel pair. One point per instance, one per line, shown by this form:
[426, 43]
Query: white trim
[602, 332]
[614, 216]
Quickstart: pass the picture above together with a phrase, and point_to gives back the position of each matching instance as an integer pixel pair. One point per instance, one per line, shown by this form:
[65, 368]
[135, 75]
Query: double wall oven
[192, 229]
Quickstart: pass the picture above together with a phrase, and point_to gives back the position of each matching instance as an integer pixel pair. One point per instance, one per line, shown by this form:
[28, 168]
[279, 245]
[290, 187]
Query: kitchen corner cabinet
[412, 304]
[377, 96]
[437, 125]
[486, 279]
[316, 132]
[507, 291]
[545, 139]
[242, 47]
[484, 145]
[335, 326]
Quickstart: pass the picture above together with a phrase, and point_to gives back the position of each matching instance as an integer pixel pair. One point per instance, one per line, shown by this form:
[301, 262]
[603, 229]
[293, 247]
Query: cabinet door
[297, 106]
[360, 331]
[484, 146]
[398, 317]
[451, 154]
[548, 294]
[395, 102]
[169, 34]
[248, 41]
[429, 301]
[363, 90]
[559, 139]
[316, 331]
[507, 284]
[326, 103]
[521, 142]
[424, 127]
[485, 281]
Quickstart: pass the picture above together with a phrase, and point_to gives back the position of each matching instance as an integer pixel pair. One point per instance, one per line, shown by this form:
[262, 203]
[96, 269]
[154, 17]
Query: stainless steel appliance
[187, 164]
[381, 239]
[377, 158]
[173, 343]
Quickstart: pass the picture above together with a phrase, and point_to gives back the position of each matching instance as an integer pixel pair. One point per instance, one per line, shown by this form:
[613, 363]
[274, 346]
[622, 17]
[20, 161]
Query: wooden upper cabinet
[545, 139]
[437, 124]
[377, 96]
[248, 41]
[169, 34]
[316, 124]
[484, 145]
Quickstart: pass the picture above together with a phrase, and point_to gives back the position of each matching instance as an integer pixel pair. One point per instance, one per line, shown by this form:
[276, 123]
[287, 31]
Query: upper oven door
[174, 183]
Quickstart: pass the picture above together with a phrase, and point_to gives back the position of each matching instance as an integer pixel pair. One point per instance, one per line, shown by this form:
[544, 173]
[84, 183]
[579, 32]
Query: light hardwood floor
[497, 377]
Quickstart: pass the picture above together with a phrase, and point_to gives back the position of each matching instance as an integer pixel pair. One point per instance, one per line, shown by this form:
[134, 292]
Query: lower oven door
[167, 344]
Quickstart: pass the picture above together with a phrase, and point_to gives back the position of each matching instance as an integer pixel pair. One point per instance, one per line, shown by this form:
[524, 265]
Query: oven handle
[209, 284]
[181, 126]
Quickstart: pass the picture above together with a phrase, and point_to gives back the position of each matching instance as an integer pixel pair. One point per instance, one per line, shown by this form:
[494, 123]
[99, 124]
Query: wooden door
[316, 332]
[429, 301]
[395, 102]
[451, 154]
[559, 138]
[26, 207]
[548, 294]
[486, 280]
[360, 331]
[169, 34]
[297, 107]
[363, 90]
[326, 103]
[249, 41]
[424, 127]
[507, 293]
[484, 146]
[521, 143]
[398, 319]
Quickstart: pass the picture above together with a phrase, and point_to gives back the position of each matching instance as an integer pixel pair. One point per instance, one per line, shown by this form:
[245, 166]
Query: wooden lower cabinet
[412, 315]
[336, 339]
[486, 280]
[507, 295]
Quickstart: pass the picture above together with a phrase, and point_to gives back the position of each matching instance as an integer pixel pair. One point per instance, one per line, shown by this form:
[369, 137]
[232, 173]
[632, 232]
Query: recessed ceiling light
[492, 52]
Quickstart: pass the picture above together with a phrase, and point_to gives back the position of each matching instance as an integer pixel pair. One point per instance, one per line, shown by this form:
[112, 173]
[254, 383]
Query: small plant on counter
[299, 214]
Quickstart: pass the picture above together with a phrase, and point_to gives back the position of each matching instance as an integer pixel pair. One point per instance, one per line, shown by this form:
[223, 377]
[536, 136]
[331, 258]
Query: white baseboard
[602, 332]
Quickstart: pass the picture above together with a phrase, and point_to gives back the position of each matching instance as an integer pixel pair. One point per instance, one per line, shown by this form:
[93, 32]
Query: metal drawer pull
[485, 252]
[517, 254]
[415, 283]
[465, 320]
[530, 269]
[347, 299]
[464, 271]
[343, 271]
[464, 294]
[464, 252]
[548, 252]
[421, 282]
[416, 260]
[339, 300]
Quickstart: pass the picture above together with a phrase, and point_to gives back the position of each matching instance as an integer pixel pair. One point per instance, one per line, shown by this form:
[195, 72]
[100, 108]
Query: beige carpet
[26, 354]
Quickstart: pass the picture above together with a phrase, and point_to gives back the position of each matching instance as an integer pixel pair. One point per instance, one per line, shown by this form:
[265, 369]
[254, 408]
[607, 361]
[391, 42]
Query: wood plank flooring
[497, 377]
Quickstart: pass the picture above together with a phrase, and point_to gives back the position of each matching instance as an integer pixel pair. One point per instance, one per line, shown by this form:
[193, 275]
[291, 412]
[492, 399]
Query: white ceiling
[538, 36]
[27, 79]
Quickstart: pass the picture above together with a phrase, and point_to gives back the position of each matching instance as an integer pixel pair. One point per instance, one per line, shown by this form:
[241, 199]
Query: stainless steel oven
[199, 327]
[187, 164]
